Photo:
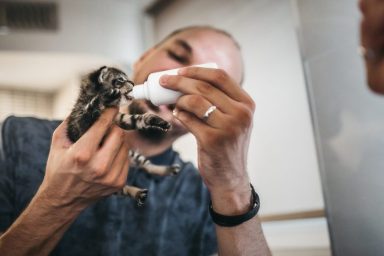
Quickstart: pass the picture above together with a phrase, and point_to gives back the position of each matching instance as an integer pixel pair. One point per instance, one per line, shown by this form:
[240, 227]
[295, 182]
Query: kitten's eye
[121, 80]
[118, 81]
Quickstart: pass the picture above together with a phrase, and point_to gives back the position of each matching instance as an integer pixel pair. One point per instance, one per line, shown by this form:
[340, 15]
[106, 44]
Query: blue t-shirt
[173, 221]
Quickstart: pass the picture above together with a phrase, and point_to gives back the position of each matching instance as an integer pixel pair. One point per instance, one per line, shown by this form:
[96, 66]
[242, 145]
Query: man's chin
[152, 135]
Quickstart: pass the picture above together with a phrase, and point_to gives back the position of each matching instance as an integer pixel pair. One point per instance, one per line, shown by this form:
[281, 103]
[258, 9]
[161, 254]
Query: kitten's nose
[128, 85]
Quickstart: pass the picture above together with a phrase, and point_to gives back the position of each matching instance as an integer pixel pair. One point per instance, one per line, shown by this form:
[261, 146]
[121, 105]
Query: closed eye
[121, 80]
[178, 58]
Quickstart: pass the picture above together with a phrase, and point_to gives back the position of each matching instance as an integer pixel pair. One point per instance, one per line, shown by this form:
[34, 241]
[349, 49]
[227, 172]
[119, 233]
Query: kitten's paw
[152, 121]
[141, 196]
[174, 169]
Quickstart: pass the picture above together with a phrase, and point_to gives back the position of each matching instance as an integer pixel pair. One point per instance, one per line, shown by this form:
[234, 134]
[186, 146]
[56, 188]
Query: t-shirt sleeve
[6, 178]
[204, 241]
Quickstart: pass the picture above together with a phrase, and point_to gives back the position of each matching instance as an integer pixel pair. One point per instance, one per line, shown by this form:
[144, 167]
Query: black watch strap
[231, 221]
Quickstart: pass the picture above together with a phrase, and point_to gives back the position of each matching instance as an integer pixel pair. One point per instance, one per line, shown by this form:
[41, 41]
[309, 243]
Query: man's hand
[76, 175]
[223, 138]
[93, 167]
[372, 41]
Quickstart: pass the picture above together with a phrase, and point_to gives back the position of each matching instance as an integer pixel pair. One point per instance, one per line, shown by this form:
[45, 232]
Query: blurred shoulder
[17, 131]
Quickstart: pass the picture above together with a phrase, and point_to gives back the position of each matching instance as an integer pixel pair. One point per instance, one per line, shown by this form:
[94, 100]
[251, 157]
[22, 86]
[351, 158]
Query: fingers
[219, 78]
[189, 86]
[119, 168]
[111, 146]
[193, 124]
[95, 134]
[198, 106]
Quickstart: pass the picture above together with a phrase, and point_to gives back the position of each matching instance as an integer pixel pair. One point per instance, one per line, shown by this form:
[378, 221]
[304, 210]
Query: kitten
[106, 87]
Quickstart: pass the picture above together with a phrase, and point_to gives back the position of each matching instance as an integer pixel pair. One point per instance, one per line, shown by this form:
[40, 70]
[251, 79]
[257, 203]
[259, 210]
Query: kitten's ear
[102, 74]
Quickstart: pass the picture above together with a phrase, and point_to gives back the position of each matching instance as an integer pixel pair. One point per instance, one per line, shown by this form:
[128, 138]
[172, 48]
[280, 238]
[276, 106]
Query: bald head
[225, 48]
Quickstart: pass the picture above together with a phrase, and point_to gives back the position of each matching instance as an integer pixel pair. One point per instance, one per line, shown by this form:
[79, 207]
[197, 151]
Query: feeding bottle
[158, 95]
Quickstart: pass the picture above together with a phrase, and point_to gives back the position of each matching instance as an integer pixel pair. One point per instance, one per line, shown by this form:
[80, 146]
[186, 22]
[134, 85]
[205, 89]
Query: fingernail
[164, 79]
[182, 71]
[175, 112]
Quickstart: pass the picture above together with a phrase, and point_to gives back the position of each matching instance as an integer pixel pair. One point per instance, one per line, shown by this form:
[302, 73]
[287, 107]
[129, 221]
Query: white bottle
[153, 91]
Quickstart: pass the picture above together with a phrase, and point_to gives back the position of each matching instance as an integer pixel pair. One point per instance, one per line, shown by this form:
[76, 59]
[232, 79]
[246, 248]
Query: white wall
[282, 158]
[109, 28]
[91, 33]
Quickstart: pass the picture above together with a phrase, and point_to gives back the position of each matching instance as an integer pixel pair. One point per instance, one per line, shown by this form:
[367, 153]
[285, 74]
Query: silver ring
[209, 112]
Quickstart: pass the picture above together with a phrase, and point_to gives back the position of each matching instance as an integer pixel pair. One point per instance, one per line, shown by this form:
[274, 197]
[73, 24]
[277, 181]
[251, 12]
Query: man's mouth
[152, 106]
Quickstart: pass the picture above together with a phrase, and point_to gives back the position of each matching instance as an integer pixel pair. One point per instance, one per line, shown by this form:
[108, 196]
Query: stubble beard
[152, 135]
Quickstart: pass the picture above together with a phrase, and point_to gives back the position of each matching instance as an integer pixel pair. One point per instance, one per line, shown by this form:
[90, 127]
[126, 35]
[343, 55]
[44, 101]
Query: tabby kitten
[106, 87]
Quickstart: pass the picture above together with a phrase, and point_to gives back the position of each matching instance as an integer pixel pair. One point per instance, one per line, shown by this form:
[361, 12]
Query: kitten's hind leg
[145, 164]
[141, 122]
[140, 195]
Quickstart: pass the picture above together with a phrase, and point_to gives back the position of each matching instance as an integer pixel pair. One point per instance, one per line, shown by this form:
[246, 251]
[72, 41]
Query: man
[72, 212]
[372, 42]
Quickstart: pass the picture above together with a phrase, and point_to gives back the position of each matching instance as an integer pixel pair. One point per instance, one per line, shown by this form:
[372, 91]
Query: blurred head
[185, 47]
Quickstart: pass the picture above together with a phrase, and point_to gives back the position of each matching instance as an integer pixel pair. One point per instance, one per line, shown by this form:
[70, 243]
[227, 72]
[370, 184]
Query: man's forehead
[200, 34]
[209, 45]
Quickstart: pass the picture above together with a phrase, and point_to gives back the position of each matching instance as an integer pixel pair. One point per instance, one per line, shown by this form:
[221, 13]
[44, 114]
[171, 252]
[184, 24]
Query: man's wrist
[232, 201]
[235, 220]
[64, 208]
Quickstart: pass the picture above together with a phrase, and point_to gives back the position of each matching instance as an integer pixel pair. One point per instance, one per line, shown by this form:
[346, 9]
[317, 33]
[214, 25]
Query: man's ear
[102, 74]
[143, 57]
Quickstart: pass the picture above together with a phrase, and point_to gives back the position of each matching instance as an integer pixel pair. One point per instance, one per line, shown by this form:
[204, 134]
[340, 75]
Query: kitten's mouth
[128, 97]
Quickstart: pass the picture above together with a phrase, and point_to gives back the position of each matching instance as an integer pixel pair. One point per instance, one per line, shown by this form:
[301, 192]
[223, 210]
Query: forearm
[244, 239]
[38, 229]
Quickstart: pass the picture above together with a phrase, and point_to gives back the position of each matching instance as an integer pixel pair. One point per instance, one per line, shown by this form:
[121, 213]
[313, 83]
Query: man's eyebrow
[185, 45]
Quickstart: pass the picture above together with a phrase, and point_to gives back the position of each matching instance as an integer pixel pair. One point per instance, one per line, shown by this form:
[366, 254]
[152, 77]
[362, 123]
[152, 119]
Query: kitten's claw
[174, 169]
[141, 196]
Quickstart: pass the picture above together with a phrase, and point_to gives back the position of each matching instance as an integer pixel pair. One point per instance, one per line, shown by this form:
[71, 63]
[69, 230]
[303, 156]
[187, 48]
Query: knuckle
[247, 115]
[82, 157]
[252, 104]
[55, 135]
[193, 100]
[220, 76]
[97, 173]
[203, 88]
[244, 115]
[120, 183]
